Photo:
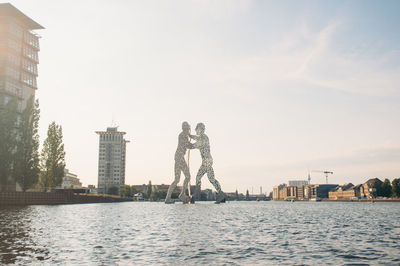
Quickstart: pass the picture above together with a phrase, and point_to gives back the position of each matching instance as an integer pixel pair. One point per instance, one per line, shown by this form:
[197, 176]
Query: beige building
[70, 180]
[112, 155]
[277, 192]
[19, 47]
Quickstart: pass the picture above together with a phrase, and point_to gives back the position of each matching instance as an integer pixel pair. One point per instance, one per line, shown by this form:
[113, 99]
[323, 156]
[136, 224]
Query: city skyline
[281, 87]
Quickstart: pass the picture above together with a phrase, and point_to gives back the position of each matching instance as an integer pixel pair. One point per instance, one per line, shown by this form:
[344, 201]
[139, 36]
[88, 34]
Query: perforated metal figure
[181, 165]
[203, 144]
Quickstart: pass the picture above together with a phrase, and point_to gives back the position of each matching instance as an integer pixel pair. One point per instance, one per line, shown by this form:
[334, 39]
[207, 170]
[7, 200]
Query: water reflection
[234, 233]
[16, 237]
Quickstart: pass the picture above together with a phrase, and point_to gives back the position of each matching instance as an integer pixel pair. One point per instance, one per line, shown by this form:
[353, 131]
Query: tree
[377, 184]
[113, 191]
[396, 187]
[27, 154]
[8, 123]
[148, 190]
[125, 192]
[154, 194]
[386, 188]
[52, 161]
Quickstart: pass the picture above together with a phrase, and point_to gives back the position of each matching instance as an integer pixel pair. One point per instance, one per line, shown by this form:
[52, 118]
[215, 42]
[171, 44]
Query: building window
[31, 39]
[29, 66]
[28, 79]
[30, 53]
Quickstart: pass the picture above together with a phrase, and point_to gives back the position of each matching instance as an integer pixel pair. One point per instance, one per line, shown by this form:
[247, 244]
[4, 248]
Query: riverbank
[347, 200]
[54, 198]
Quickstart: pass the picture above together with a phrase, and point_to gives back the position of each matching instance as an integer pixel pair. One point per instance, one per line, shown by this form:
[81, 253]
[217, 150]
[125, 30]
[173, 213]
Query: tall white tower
[112, 157]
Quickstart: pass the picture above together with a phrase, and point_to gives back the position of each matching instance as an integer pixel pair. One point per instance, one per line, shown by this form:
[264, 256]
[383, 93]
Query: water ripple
[235, 233]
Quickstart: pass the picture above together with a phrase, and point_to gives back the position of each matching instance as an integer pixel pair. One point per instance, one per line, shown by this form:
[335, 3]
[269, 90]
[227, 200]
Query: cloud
[303, 56]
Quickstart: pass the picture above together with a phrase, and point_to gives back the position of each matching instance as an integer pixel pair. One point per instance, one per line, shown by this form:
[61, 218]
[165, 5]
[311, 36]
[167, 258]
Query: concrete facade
[19, 47]
[112, 158]
[70, 180]
[297, 183]
[304, 192]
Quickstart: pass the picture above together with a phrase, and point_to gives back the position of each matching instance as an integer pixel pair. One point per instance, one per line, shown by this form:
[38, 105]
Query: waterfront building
[304, 192]
[19, 47]
[112, 158]
[276, 194]
[366, 190]
[70, 180]
[297, 183]
[321, 191]
[345, 192]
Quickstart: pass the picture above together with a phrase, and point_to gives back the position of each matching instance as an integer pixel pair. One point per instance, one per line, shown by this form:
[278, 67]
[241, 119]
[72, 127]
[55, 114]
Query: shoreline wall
[348, 200]
[53, 198]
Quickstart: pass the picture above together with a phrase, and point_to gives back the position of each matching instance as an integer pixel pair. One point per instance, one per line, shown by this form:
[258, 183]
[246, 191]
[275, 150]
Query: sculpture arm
[198, 144]
[194, 137]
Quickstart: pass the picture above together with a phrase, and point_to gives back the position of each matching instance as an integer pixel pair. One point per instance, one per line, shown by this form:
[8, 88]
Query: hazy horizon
[282, 86]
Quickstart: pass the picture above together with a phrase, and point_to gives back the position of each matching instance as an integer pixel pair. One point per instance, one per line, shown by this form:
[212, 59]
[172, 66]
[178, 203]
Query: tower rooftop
[8, 10]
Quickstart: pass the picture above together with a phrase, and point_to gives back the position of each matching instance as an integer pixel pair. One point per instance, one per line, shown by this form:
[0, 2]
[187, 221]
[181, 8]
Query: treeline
[20, 160]
[387, 189]
[149, 192]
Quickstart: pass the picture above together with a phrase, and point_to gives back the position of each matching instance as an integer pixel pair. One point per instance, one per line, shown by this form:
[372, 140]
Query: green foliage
[113, 191]
[154, 194]
[8, 123]
[148, 190]
[52, 161]
[126, 192]
[27, 154]
[386, 188]
[396, 187]
[377, 184]
[174, 195]
[203, 195]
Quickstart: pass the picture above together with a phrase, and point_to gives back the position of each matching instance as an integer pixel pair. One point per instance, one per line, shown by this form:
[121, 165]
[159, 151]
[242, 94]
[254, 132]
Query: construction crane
[325, 172]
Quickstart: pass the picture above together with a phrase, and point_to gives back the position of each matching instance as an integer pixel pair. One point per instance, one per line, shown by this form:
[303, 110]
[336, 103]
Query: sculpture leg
[200, 174]
[211, 177]
[221, 197]
[186, 172]
[174, 183]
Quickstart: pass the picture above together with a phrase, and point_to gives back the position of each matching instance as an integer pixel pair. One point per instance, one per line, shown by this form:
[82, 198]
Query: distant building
[345, 192]
[303, 192]
[19, 47]
[276, 192]
[112, 156]
[321, 191]
[92, 189]
[210, 195]
[367, 189]
[70, 180]
[297, 183]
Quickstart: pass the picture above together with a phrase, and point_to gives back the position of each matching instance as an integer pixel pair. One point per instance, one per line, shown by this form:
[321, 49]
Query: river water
[235, 233]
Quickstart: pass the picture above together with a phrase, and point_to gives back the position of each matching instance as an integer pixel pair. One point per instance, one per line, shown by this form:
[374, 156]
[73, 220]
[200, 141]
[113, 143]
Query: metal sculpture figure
[181, 165]
[203, 144]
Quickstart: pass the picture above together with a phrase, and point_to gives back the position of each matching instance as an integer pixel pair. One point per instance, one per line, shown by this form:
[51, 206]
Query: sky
[283, 87]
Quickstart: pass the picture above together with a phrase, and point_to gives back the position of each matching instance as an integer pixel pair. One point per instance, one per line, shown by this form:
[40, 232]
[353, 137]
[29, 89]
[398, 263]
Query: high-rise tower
[19, 47]
[112, 153]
